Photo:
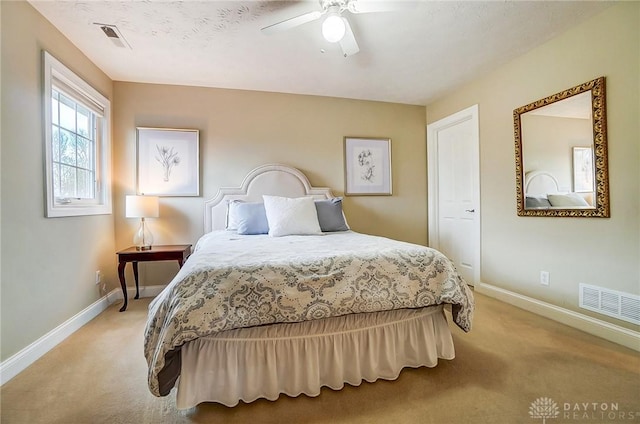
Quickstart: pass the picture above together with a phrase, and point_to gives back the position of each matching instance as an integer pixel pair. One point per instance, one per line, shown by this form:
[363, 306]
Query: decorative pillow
[252, 219]
[569, 199]
[287, 216]
[247, 217]
[330, 215]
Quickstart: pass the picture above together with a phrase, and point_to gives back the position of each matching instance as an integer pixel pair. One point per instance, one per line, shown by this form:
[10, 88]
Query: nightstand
[174, 252]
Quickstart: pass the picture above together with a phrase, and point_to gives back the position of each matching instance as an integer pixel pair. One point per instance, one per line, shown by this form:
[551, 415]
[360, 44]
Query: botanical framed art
[168, 162]
[367, 166]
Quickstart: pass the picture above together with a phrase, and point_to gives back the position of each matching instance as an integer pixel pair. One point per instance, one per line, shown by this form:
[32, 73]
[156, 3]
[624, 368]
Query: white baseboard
[613, 333]
[145, 291]
[27, 356]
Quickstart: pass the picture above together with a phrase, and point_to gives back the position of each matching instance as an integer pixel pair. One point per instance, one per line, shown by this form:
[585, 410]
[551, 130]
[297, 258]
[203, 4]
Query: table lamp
[142, 207]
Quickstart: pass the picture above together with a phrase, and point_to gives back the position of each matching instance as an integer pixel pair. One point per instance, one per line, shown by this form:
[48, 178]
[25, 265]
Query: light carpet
[511, 360]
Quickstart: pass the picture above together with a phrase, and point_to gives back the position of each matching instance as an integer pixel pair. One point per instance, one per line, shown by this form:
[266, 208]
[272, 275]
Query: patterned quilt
[234, 281]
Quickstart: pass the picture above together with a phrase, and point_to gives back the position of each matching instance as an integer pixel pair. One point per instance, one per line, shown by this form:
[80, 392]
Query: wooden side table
[175, 252]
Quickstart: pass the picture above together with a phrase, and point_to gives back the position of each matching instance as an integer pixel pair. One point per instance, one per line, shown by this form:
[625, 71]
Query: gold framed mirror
[561, 154]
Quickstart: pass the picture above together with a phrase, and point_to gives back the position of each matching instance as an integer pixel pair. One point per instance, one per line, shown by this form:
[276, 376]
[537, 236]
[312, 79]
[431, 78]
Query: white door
[454, 190]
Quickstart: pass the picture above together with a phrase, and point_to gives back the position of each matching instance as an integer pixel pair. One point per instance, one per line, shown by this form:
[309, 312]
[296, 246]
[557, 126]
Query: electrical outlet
[544, 278]
[98, 277]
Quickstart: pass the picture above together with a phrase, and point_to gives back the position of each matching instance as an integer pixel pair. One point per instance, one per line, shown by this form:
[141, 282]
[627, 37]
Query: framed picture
[367, 166]
[168, 162]
[583, 169]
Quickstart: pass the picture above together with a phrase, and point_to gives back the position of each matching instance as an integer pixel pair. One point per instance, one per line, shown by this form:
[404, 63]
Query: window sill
[60, 211]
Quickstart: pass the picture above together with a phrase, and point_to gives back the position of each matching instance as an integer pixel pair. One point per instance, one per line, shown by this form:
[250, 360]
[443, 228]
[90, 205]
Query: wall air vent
[113, 33]
[624, 306]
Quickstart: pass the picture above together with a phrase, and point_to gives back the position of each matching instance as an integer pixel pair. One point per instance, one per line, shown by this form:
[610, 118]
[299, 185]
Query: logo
[544, 408]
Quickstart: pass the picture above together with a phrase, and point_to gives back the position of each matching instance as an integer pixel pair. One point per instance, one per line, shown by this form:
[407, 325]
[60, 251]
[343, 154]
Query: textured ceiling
[412, 55]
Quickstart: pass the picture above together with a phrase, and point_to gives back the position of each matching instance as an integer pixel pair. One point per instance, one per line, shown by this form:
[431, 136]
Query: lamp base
[143, 239]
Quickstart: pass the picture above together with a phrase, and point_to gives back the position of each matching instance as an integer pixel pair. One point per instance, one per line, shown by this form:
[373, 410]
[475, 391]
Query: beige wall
[240, 130]
[604, 252]
[548, 145]
[48, 265]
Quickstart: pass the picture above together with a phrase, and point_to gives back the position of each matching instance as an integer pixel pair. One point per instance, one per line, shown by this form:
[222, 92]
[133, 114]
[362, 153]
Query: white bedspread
[233, 281]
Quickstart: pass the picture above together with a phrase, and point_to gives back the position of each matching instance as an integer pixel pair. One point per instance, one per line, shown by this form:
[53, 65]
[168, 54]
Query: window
[77, 144]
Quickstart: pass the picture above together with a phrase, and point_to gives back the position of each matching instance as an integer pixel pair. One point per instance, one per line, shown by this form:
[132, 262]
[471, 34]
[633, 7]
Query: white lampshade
[142, 207]
[333, 28]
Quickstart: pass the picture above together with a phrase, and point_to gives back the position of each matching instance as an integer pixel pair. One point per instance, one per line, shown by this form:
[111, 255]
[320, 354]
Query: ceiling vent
[113, 33]
[624, 306]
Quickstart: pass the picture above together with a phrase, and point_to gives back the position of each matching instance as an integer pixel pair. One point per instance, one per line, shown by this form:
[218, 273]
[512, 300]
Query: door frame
[433, 130]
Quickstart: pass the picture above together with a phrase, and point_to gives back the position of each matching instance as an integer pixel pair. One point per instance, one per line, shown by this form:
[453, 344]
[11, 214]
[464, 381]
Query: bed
[302, 304]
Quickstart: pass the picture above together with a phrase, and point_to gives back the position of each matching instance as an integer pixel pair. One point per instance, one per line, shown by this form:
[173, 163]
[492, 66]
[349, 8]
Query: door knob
[470, 210]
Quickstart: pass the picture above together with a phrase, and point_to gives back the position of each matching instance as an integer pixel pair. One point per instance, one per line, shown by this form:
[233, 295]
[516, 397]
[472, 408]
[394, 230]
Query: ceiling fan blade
[371, 6]
[292, 22]
[348, 43]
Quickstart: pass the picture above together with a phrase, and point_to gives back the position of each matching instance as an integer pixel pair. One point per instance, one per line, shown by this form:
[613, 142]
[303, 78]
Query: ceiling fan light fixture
[333, 28]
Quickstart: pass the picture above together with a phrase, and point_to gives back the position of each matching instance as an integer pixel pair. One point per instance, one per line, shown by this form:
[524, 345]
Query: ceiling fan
[335, 28]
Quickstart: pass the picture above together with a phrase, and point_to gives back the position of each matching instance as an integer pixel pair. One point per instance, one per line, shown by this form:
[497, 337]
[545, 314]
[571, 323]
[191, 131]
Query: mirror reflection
[556, 154]
[561, 154]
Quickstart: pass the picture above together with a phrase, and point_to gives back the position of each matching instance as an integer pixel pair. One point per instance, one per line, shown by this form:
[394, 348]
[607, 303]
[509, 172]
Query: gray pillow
[251, 218]
[330, 215]
[537, 202]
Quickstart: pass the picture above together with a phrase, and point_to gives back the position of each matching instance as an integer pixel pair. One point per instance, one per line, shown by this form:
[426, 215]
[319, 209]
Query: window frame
[56, 74]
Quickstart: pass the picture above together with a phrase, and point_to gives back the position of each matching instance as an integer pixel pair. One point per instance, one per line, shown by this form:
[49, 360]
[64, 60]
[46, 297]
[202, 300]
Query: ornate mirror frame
[599, 120]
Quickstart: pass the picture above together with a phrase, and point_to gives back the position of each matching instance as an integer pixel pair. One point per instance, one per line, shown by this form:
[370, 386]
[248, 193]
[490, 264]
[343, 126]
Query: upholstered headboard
[540, 183]
[271, 179]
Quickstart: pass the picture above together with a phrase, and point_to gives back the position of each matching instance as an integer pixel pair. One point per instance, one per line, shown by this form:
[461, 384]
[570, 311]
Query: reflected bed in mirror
[561, 154]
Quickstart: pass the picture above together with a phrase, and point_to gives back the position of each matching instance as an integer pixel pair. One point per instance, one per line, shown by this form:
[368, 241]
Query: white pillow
[232, 214]
[569, 199]
[287, 216]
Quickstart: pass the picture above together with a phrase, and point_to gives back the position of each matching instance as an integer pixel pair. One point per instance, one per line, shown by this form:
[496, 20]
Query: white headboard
[540, 183]
[271, 179]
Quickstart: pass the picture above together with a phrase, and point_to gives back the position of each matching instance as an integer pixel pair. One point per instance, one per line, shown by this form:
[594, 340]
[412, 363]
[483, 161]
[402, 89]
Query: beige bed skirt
[301, 358]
